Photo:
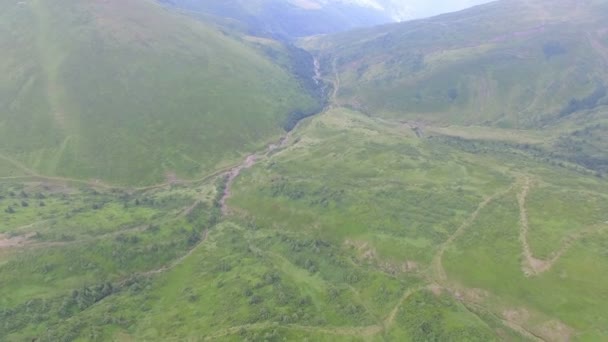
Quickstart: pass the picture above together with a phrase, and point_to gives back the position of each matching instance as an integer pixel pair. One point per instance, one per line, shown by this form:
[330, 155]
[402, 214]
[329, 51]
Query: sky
[412, 9]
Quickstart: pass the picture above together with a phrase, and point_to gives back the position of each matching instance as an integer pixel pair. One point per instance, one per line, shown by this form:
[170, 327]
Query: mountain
[129, 92]
[415, 9]
[509, 64]
[437, 180]
[288, 19]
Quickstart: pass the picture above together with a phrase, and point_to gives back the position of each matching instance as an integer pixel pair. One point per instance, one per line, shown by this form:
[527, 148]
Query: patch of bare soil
[367, 253]
[394, 268]
[516, 315]
[171, 178]
[364, 250]
[555, 331]
[476, 296]
[14, 241]
[436, 289]
[528, 261]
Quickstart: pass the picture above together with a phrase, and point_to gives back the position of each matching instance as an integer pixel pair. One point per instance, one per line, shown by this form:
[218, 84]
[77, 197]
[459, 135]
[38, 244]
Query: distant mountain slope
[286, 19]
[512, 64]
[128, 92]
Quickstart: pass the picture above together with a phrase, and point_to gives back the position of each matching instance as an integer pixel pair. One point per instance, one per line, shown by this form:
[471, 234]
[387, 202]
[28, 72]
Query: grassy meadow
[454, 189]
[356, 229]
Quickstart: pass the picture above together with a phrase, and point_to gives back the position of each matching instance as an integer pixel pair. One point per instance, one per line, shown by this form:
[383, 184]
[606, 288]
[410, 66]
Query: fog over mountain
[298, 18]
[401, 10]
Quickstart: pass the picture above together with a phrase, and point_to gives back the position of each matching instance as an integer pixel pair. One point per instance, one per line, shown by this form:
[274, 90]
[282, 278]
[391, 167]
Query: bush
[588, 102]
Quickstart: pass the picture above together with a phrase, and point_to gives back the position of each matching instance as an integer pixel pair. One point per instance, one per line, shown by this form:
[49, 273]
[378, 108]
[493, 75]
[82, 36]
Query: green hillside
[128, 92]
[453, 189]
[355, 230]
[512, 64]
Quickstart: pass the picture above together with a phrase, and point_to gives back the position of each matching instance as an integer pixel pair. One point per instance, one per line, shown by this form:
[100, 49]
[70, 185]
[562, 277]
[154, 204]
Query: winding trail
[353, 331]
[532, 266]
[18, 165]
[437, 264]
[51, 58]
[390, 319]
[441, 280]
[180, 260]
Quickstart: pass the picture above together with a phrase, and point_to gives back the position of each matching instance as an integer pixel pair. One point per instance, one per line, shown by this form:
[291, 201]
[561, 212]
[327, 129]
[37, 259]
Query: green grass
[391, 198]
[367, 187]
[360, 228]
[556, 214]
[499, 65]
[489, 257]
[82, 237]
[130, 92]
[426, 316]
[334, 237]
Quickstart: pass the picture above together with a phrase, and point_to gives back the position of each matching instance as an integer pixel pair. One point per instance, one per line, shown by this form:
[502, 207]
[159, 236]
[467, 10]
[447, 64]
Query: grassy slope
[510, 64]
[127, 92]
[537, 66]
[360, 229]
[395, 199]
[357, 230]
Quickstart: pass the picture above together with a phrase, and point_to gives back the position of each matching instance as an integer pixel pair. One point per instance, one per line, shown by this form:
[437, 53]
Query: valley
[434, 180]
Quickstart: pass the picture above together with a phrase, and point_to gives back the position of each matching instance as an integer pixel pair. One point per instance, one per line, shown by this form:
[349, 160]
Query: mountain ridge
[128, 92]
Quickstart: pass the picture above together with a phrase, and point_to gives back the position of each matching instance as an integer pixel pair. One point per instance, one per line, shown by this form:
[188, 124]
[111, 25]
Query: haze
[412, 9]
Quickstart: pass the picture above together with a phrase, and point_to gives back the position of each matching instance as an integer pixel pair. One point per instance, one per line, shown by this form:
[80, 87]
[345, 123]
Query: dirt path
[532, 266]
[355, 331]
[338, 331]
[515, 326]
[32, 175]
[51, 58]
[18, 165]
[390, 319]
[189, 210]
[175, 262]
[437, 264]
[14, 241]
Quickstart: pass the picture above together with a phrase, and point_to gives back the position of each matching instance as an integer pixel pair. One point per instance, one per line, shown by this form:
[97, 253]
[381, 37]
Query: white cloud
[411, 9]
[401, 10]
